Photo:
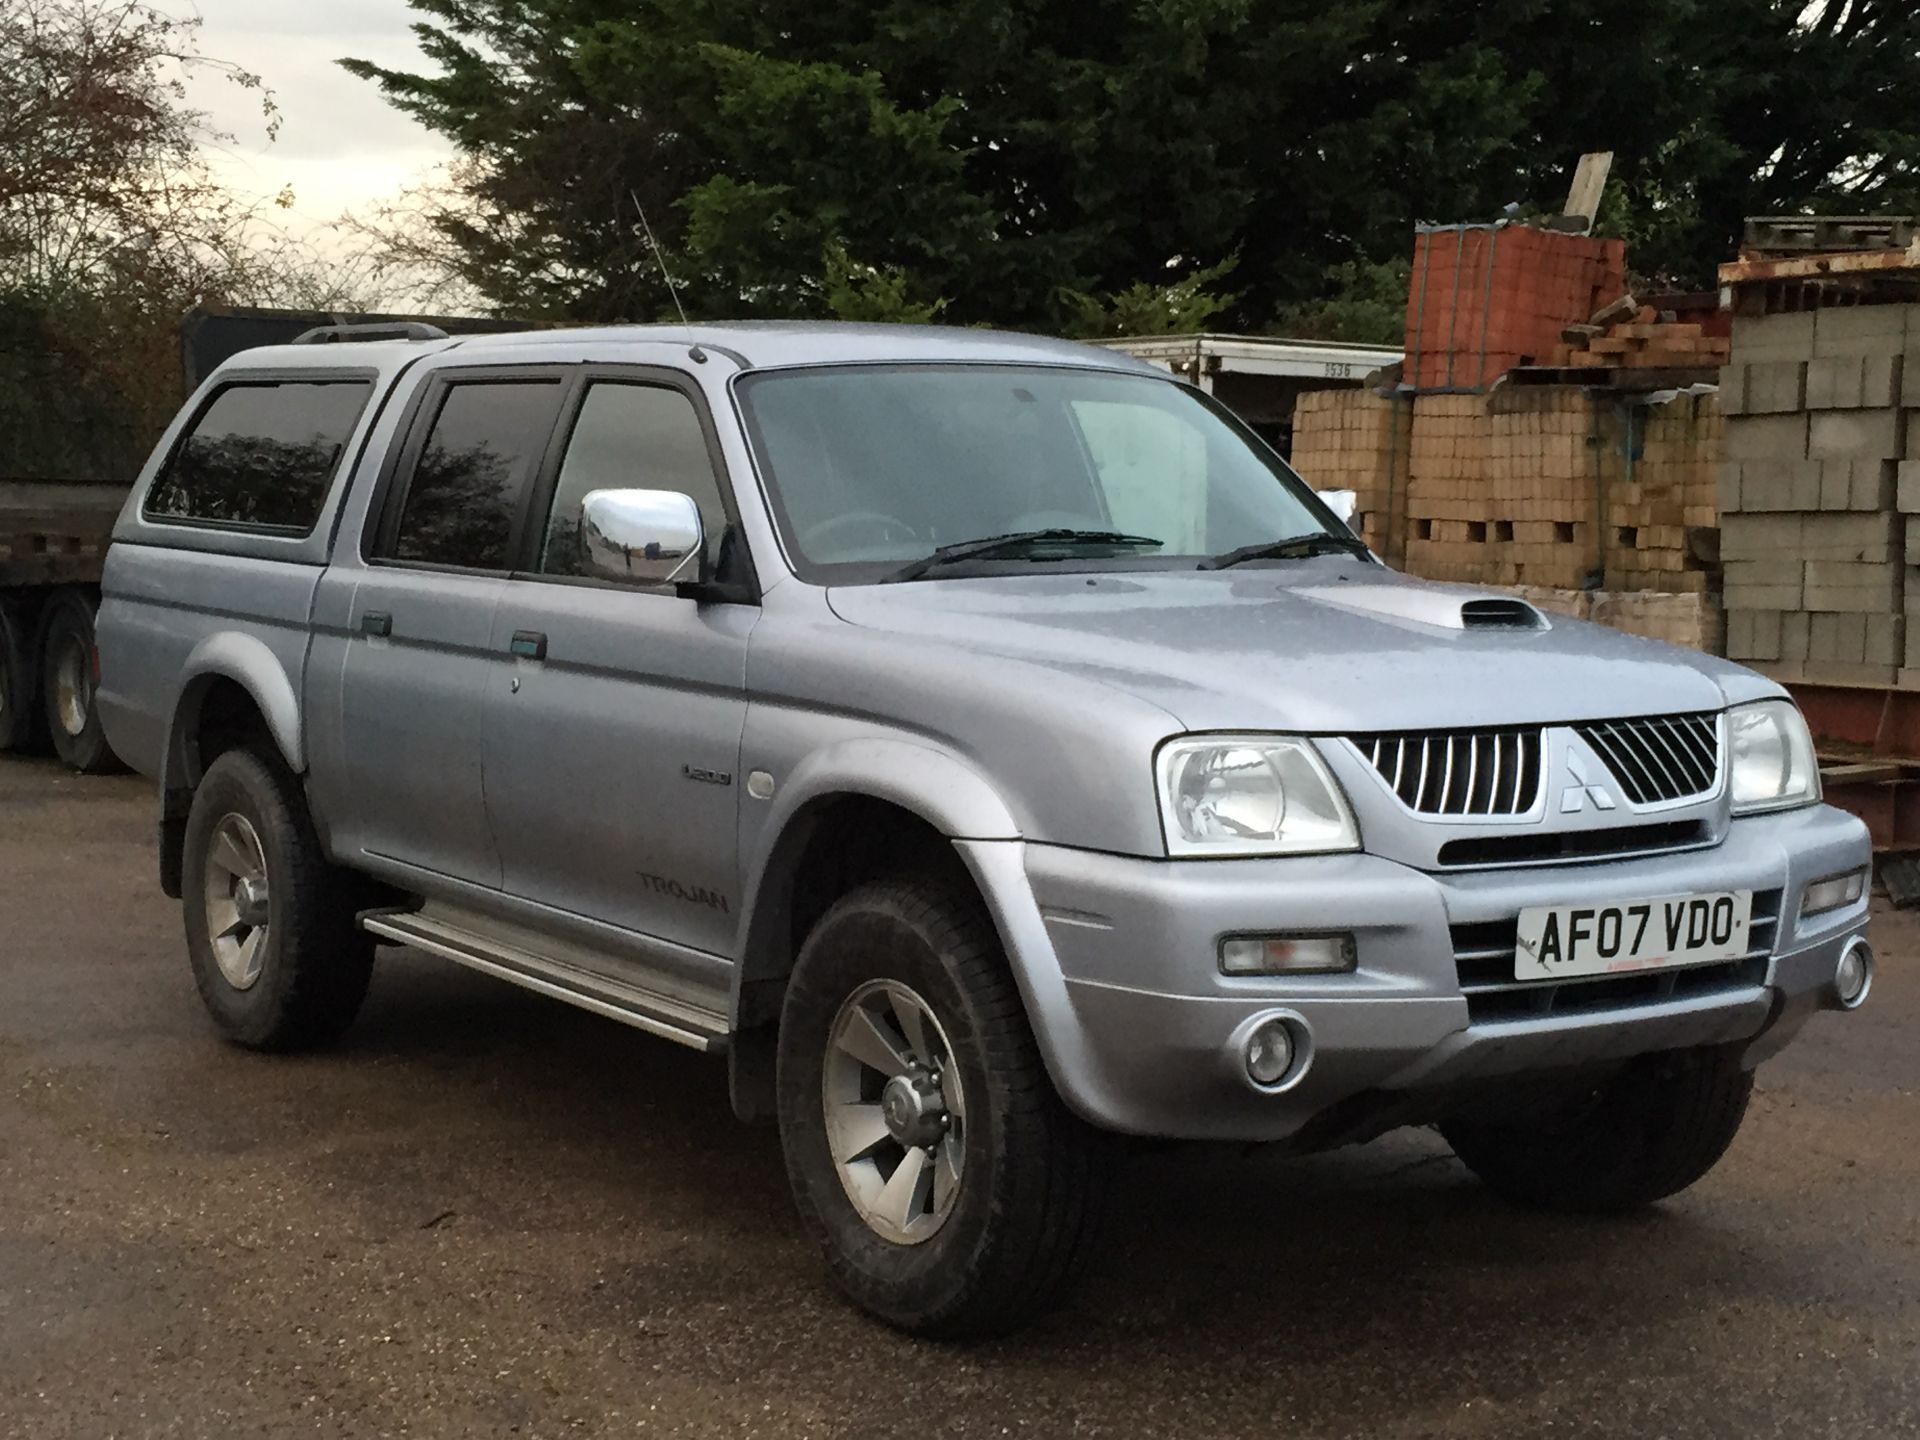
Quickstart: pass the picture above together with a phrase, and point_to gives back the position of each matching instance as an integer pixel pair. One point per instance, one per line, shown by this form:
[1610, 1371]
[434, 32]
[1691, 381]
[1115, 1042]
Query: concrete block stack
[1355, 440]
[1811, 536]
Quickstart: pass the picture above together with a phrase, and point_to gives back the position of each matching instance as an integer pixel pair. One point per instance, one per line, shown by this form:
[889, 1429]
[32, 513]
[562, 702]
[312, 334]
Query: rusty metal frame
[1814, 267]
[1868, 738]
[1866, 721]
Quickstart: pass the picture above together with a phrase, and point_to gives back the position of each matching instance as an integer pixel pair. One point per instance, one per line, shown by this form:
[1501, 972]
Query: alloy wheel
[238, 910]
[895, 1112]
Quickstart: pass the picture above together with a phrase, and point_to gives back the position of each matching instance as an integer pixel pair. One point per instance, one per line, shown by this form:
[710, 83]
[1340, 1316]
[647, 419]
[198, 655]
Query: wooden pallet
[1634, 379]
[1790, 284]
[1772, 237]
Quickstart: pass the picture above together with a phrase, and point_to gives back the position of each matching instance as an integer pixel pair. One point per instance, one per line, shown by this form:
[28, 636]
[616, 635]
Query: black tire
[19, 710]
[67, 685]
[315, 961]
[1034, 1176]
[1649, 1132]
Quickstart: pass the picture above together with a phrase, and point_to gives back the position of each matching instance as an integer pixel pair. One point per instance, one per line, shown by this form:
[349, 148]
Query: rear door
[614, 731]
[420, 624]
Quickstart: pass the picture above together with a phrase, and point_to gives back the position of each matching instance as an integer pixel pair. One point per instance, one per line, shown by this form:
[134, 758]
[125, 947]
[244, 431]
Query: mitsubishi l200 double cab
[984, 743]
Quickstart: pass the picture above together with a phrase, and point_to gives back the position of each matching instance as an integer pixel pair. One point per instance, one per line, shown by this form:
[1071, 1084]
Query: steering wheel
[891, 527]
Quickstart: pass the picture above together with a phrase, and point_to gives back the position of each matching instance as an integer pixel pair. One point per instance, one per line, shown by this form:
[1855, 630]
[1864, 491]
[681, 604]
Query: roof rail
[376, 330]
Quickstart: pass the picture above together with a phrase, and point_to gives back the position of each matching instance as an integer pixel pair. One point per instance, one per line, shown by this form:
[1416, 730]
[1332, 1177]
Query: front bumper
[1116, 957]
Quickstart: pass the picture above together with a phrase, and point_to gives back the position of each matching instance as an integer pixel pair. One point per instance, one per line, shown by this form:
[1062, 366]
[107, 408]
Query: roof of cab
[755, 345]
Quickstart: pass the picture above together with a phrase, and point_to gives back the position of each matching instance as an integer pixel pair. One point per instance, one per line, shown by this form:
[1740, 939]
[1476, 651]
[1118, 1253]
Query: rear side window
[480, 458]
[261, 456]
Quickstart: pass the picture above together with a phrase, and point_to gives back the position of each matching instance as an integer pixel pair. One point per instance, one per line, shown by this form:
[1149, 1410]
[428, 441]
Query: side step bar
[629, 1004]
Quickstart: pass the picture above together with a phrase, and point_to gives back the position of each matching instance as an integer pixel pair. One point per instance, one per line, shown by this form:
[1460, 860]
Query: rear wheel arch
[254, 673]
[216, 712]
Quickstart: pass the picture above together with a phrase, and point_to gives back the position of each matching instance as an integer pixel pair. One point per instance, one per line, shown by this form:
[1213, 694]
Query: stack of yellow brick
[1661, 497]
[1542, 481]
[1447, 500]
[1597, 498]
[1693, 620]
[1501, 488]
[1355, 440]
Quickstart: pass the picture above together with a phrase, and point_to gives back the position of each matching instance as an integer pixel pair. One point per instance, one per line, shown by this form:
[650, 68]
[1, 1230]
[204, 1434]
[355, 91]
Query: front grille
[1658, 758]
[1483, 958]
[1565, 845]
[1459, 772]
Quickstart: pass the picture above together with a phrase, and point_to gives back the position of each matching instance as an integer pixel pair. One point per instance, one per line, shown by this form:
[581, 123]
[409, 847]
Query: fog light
[1286, 954]
[1833, 892]
[1853, 976]
[1269, 1052]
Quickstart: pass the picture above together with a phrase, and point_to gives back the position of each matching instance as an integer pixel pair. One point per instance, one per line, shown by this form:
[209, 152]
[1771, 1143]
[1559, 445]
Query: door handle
[376, 622]
[529, 645]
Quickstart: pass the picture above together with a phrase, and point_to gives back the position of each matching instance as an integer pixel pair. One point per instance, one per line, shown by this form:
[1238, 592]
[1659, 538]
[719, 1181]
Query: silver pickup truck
[984, 742]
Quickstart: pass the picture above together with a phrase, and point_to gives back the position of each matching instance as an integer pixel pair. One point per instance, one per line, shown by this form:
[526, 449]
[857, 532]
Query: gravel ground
[487, 1214]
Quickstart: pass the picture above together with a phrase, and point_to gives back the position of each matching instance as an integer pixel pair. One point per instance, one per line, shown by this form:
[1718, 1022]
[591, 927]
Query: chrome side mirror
[641, 537]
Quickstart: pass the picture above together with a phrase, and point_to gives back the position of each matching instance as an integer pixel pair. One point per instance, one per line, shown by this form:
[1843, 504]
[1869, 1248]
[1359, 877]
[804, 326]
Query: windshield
[873, 467]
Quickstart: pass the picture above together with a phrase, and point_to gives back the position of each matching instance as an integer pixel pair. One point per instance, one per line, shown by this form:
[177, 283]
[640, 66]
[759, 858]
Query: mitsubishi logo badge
[1582, 791]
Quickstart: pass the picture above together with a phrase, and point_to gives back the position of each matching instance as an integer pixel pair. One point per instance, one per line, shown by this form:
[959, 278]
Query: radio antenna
[698, 355]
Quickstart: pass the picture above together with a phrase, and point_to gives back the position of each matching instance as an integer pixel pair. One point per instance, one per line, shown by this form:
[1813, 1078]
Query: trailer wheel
[67, 681]
[17, 711]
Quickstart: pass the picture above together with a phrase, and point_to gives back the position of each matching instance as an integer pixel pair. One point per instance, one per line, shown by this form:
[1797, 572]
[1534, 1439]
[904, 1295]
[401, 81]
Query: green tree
[1012, 157]
[110, 228]
[1183, 306]
[1004, 156]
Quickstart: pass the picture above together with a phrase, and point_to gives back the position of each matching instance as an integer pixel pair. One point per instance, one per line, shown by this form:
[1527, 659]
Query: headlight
[1771, 754]
[1250, 795]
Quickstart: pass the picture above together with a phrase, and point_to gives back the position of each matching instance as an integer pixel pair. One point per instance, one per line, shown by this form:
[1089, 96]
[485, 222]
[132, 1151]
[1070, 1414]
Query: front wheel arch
[1030, 1176]
[829, 846]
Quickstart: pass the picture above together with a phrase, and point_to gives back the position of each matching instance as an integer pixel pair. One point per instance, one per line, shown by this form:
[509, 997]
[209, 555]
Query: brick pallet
[1815, 548]
[1562, 487]
[1355, 440]
[1642, 342]
[1692, 620]
[1661, 497]
[1485, 298]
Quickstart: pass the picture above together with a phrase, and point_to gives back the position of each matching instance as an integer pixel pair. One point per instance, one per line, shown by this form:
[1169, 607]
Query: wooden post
[1589, 184]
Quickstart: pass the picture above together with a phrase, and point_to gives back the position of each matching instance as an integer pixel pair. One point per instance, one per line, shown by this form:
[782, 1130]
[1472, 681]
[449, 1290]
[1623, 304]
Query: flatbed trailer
[53, 539]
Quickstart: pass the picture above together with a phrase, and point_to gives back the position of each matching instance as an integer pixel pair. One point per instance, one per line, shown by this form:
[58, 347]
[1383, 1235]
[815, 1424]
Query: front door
[616, 712]
[419, 627]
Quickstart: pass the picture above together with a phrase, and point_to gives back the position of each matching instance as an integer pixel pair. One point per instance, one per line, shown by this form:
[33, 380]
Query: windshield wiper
[1296, 547]
[1019, 543]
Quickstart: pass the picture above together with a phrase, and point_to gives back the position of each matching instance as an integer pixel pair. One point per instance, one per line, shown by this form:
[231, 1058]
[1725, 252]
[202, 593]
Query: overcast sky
[341, 146]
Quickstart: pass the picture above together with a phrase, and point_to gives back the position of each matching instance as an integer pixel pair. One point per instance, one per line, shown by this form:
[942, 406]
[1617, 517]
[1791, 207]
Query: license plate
[1564, 940]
